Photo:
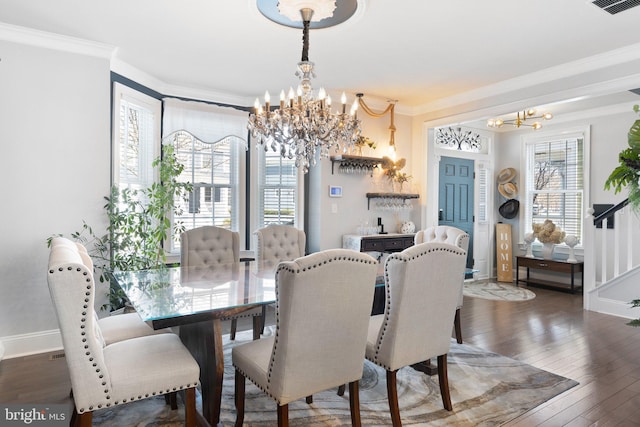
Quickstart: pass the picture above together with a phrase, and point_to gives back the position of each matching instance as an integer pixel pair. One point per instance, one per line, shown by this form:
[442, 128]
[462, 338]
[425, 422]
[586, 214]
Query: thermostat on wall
[335, 191]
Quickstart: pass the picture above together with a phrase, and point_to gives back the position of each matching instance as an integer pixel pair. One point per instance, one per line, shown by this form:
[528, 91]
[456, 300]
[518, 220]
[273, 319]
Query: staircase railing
[609, 253]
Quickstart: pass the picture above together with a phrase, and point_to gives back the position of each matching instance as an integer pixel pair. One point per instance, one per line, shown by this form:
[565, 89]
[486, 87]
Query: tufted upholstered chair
[422, 287]
[275, 243]
[323, 304]
[105, 375]
[113, 328]
[453, 236]
[217, 247]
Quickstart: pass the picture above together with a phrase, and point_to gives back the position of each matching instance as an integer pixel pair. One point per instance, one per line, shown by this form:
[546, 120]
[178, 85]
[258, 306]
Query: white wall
[54, 128]
[608, 136]
[330, 217]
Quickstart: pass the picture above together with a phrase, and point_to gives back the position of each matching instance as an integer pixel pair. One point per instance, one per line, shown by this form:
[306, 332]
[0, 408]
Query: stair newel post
[589, 248]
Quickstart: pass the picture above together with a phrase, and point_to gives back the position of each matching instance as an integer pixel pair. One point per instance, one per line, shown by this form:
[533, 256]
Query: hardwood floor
[551, 332]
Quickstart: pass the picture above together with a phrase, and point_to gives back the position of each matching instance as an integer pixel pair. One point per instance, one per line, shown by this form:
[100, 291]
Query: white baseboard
[33, 343]
[613, 307]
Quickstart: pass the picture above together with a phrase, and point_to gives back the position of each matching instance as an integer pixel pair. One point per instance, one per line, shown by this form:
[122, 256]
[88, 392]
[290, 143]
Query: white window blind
[277, 189]
[482, 182]
[136, 137]
[555, 183]
[209, 141]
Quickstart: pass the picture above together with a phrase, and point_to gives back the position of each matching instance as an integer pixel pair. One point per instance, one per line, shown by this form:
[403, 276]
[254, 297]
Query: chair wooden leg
[191, 417]
[257, 327]
[354, 404]
[239, 398]
[309, 399]
[341, 390]
[392, 395]
[171, 399]
[232, 331]
[283, 416]
[81, 420]
[444, 382]
[458, 328]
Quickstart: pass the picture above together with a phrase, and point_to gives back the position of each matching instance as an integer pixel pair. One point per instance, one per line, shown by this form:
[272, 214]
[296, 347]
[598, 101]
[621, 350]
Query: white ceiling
[433, 57]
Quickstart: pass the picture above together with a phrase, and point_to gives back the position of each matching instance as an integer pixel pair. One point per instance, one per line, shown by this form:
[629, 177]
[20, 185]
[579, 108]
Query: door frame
[483, 230]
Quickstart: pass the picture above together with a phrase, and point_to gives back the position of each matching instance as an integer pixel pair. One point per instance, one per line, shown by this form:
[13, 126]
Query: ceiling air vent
[615, 6]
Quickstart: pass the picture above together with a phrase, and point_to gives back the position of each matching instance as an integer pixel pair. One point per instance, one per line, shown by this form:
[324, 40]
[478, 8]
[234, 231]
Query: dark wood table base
[426, 367]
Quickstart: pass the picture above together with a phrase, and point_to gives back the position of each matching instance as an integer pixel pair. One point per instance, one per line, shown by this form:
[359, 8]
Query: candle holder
[571, 241]
[528, 240]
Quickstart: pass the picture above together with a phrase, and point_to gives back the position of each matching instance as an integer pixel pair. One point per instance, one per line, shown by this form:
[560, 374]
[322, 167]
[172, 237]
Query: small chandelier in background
[304, 125]
[520, 120]
[464, 141]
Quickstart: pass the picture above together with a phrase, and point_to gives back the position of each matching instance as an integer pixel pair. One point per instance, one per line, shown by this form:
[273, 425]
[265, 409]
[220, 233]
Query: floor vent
[56, 356]
[616, 6]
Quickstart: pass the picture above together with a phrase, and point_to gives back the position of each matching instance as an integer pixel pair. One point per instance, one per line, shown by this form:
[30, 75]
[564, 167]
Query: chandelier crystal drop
[304, 125]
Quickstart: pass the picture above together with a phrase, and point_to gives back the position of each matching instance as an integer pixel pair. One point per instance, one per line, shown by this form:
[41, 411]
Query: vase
[547, 250]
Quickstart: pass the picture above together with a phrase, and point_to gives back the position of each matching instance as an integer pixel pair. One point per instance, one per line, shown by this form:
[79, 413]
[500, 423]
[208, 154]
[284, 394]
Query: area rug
[487, 389]
[497, 291]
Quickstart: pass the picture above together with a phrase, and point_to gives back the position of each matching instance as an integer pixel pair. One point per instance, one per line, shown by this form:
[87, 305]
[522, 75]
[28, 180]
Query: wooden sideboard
[378, 242]
[556, 266]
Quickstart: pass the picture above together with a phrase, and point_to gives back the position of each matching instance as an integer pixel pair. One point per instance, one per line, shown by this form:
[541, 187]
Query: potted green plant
[139, 223]
[627, 174]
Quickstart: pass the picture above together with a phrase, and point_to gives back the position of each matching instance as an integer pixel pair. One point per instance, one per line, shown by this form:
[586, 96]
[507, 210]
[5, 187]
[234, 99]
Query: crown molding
[567, 70]
[471, 114]
[37, 38]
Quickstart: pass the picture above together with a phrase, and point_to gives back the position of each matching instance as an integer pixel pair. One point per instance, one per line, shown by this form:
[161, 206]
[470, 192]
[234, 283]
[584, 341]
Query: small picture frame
[335, 191]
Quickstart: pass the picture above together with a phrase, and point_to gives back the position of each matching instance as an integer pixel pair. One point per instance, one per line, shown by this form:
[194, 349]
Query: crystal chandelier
[467, 141]
[304, 125]
[520, 120]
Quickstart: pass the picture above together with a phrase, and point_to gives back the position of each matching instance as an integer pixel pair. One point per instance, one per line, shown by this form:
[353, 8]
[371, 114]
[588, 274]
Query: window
[212, 169]
[209, 141]
[277, 189]
[136, 137]
[554, 177]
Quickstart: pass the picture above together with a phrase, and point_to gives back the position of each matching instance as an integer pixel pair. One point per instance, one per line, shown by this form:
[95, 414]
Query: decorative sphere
[407, 227]
[529, 238]
[571, 240]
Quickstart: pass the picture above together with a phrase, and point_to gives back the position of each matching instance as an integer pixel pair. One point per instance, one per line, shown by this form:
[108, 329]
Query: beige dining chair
[106, 375]
[456, 237]
[216, 247]
[422, 288]
[275, 243]
[114, 328]
[323, 304]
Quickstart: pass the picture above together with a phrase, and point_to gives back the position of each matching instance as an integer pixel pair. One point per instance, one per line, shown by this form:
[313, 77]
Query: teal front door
[455, 197]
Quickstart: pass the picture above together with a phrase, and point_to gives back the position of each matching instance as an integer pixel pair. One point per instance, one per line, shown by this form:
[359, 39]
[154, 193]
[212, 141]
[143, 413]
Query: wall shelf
[401, 196]
[359, 164]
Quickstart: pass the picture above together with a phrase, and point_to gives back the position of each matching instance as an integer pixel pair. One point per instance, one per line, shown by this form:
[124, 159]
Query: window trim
[257, 162]
[566, 133]
[120, 92]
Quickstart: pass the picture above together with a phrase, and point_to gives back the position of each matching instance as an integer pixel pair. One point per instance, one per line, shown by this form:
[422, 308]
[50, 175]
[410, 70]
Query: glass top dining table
[174, 296]
[196, 299]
